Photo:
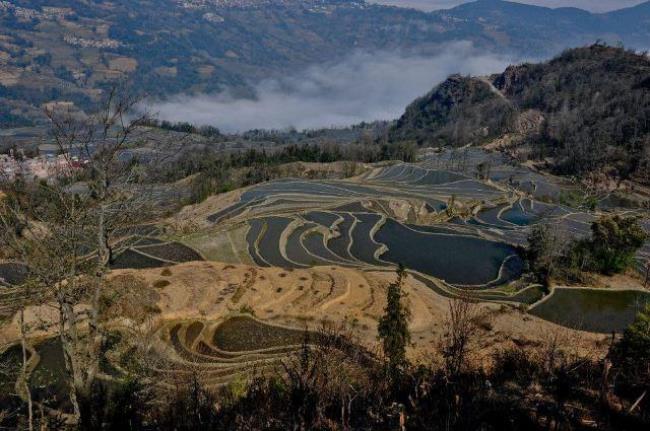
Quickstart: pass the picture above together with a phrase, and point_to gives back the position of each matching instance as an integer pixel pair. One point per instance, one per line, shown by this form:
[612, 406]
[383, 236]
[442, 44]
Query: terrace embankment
[267, 264]
[300, 299]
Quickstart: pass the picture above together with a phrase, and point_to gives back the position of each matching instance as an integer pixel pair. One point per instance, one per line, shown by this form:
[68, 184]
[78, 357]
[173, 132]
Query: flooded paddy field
[595, 310]
[148, 252]
[12, 273]
[461, 231]
[340, 245]
[296, 251]
[315, 244]
[268, 244]
[364, 246]
[455, 259]
[438, 217]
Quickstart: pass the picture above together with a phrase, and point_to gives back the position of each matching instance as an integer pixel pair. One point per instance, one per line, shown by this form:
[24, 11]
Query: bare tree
[64, 229]
[99, 141]
[24, 371]
[55, 230]
[459, 330]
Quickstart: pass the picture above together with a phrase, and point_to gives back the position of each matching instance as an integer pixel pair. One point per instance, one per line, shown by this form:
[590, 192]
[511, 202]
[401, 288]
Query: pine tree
[393, 328]
[631, 358]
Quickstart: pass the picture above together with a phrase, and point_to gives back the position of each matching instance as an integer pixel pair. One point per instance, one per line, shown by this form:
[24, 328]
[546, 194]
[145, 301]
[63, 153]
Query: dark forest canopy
[589, 109]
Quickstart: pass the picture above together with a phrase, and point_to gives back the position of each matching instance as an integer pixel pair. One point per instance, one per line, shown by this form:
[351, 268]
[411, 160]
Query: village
[43, 167]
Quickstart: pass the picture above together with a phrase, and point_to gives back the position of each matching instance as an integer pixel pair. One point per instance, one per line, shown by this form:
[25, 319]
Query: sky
[364, 87]
[591, 5]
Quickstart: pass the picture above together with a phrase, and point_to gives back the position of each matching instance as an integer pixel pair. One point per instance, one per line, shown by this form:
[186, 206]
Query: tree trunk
[28, 393]
[68, 340]
[95, 336]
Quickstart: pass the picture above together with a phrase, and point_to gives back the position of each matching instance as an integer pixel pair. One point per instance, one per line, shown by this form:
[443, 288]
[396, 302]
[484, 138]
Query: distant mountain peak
[584, 111]
[250, 4]
[233, 44]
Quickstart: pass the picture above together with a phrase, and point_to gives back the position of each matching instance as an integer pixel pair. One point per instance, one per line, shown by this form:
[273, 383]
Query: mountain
[73, 50]
[585, 111]
[460, 111]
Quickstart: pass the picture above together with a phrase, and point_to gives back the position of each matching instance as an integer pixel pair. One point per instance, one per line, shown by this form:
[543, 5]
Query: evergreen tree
[615, 241]
[393, 328]
[631, 357]
[544, 251]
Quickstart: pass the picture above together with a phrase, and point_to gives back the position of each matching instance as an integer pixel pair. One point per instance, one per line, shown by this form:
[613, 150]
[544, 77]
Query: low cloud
[364, 87]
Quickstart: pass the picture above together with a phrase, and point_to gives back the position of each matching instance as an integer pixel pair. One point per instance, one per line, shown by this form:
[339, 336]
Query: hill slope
[584, 111]
[73, 49]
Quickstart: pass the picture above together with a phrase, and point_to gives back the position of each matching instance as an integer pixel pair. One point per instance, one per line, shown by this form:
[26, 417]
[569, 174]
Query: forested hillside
[460, 111]
[72, 50]
[584, 111]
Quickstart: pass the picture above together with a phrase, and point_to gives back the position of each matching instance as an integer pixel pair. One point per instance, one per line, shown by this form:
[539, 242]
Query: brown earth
[350, 298]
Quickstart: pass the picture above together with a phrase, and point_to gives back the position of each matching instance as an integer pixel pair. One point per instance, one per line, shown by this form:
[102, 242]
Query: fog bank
[364, 87]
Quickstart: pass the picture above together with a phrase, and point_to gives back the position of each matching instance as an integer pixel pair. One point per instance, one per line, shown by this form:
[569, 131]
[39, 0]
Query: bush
[610, 250]
[614, 243]
[159, 284]
[515, 365]
[118, 406]
[631, 355]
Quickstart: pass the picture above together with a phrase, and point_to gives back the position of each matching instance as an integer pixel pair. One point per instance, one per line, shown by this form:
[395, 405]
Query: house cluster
[46, 12]
[41, 167]
[91, 43]
[241, 4]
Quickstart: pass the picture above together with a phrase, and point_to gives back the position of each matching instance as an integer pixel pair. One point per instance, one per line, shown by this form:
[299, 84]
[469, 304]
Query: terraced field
[150, 252]
[435, 217]
[217, 352]
[12, 275]
[288, 255]
[460, 234]
[220, 351]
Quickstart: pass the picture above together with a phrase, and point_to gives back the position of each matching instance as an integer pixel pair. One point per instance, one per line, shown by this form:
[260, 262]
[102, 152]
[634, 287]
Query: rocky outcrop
[461, 110]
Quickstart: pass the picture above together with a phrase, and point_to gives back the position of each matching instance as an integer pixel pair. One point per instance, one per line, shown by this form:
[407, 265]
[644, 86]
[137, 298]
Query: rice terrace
[400, 214]
[234, 282]
[180, 250]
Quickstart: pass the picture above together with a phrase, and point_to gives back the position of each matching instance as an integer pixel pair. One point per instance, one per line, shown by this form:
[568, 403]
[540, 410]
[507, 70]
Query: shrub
[515, 365]
[610, 250]
[159, 284]
[614, 242]
[247, 309]
[631, 358]
[575, 199]
[545, 249]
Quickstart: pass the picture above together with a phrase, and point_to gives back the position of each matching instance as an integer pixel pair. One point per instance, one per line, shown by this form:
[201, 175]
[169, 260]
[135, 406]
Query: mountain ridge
[73, 51]
[583, 112]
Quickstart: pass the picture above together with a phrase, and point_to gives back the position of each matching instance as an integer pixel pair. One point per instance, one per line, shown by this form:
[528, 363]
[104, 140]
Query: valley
[72, 52]
[481, 262]
[227, 288]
